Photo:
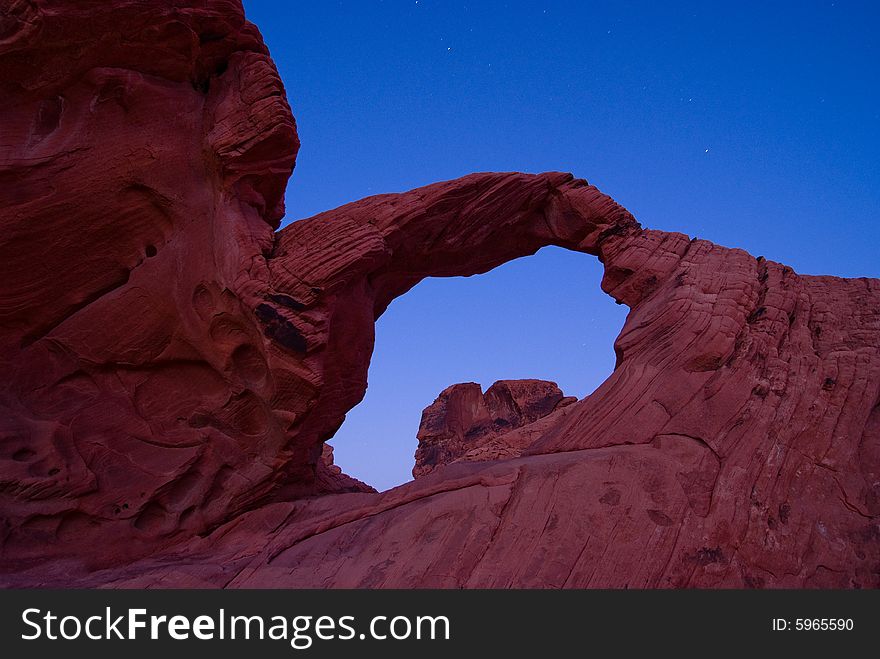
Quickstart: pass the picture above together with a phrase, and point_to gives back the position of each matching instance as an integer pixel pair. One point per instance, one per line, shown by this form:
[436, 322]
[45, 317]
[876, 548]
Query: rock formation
[464, 424]
[172, 365]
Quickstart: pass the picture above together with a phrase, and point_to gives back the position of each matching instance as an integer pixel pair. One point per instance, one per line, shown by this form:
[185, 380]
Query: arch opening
[539, 317]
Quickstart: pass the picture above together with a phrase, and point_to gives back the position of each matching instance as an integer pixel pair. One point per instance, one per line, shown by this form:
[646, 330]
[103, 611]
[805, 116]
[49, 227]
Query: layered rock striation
[172, 365]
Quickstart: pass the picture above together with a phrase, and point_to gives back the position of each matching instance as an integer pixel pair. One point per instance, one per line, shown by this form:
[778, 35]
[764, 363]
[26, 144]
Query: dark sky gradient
[754, 125]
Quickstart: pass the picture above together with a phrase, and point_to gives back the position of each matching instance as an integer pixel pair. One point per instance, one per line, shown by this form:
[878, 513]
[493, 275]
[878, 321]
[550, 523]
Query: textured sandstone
[172, 365]
[464, 424]
[329, 476]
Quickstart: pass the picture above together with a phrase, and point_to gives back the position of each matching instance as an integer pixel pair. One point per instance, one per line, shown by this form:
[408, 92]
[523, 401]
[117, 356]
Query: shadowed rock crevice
[163, 411]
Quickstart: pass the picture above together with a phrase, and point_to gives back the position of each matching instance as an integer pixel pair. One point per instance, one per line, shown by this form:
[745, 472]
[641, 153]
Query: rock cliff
[172, 365]
[464, 424]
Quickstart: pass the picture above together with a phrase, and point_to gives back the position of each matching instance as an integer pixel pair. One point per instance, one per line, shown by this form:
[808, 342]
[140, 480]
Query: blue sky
[751, 124]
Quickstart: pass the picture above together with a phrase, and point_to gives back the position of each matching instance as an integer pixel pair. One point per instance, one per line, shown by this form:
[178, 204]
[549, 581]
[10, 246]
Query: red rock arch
[172, 365]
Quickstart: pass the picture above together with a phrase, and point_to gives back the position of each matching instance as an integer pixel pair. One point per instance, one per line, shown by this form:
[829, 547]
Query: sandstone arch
[172, 364]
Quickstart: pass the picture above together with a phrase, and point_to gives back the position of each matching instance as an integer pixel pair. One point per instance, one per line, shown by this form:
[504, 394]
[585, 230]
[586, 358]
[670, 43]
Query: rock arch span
[172, 364]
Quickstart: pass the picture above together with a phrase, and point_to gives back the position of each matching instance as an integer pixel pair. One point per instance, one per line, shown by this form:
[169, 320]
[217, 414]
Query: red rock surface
[329, 476]
[172, 365]
[464, 424]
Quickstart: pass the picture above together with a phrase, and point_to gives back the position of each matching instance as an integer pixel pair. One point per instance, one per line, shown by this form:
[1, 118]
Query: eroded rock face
[146, 150]
[464, 424]
[172, 365]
